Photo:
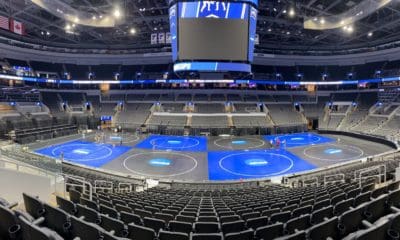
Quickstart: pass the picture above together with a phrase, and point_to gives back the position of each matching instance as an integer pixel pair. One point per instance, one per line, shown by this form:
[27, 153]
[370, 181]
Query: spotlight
[132, 31]
[292, 12]
[322, 21]
[117, 13]
[370, 34]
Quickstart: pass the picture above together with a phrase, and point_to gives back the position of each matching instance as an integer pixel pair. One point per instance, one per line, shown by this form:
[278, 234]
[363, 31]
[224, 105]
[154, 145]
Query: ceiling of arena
[280, 24]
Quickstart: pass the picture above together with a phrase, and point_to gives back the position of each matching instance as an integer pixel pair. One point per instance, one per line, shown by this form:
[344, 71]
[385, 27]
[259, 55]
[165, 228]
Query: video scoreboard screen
[213, 32]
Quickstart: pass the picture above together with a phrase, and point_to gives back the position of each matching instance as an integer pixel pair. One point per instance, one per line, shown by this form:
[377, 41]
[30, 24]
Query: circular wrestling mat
[238, 143]
[160, 164]
[126, 138]
[256, 164]
[300, 139]
[333, 152]
[174, 142]
[83, 152]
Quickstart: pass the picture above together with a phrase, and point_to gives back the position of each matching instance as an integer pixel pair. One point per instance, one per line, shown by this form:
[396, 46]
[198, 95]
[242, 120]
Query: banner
[153, 38]
[168, 37]
[16, 27]
[161, 38]
[4, 23]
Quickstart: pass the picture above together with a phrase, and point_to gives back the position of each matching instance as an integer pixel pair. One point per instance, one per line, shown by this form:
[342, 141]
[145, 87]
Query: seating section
[251, 213]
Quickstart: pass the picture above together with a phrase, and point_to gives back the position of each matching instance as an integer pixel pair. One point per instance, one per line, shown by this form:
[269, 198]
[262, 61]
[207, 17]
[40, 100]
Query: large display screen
[213, 31]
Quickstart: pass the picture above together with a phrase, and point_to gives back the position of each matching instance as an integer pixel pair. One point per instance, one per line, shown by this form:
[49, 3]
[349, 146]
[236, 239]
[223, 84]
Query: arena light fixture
[352, 15]
[117, 13]
[370, 34]
[292, 12]
[132, 31]
[64, 11]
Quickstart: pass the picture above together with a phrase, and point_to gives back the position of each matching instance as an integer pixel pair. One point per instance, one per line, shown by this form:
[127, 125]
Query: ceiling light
[94, 18]
[68, 27]
[284, 11]
[117, 13]
[132, 31]
[76, 19]
[269, 29]
[322, 21]
[291, 12]
[370, 34]
[48, 33]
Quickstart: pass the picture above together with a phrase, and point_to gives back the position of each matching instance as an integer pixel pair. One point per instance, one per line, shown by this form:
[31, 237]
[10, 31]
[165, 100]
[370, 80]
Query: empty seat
[153, 223]
[351, 220]
[280, 217]
[325, 230]
[297, 224]
[108, 211]
[164, 216]
[255, 223]
[90, 204]
[183, 227]
[57, 220]
[120, 208]
[128, 218]
[166, 235]
[394, 198]
[9, 227]
[74, 195]
[143, 213]
[31, 231]
[89, 214]
[207, 219]
[236, 226]
[84, 230]
[66, 205]
[206, 227]
[112, 224]
[140, 232]
[302, 210]
[379, 230]
[206, 236]
[301, 235]
[188, 219]
[33, 205]
[362, 198]
[376, 209]
[231, 218]
[269, 232]
[242, 235]
[321, 214]
[321, 204]
[343, 206]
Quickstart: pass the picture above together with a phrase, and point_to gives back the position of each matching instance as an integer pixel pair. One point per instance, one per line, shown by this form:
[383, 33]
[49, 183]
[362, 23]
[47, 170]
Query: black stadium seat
[31, 231]
[33, 205]
[9, 226]
[206, 227]
[166, 235]
[243, 235]
[230, 227]
[84, 229]
[206, 236]
[325, 230]
[140, 232]
[183, 227]
[269, 232]
[66, 205]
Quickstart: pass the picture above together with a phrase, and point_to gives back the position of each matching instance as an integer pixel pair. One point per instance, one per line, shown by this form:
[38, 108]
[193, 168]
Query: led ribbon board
[213, 36]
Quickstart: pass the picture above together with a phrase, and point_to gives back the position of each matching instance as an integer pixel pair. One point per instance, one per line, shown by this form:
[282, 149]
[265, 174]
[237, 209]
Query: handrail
[83, 182]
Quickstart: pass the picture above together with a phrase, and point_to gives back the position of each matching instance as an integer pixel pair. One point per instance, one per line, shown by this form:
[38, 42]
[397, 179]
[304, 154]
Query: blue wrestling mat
[233, 165]
[86, 153]
[174, 143]
[298, 139]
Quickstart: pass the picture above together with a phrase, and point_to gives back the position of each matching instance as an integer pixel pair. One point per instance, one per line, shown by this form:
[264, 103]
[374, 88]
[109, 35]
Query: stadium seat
[300, 235]
[379, 230]
[89, 214]
[66, 205]
[128, 218]
[269, 232]
[9, 226]
[376, 209]
[74, 196]
[183, 227]
[243, 235]
[255, 223]
[90, 204]
[206, 227]
[362, 198]
[343, 206]
[164, 216]
[321, 214]
[325, 230]
[153, 223]
[230, 227]
[280, 217]
[166, 235]
[57, 220]
[109, 211]
[111, 224]
[33, 205]
[140, 232]
[297, 224]
[351, 220]
[30, 231]
[206, 236]
[84, 229]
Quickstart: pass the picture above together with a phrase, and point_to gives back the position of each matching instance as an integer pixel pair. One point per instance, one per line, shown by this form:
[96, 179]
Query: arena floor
[214, 158]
